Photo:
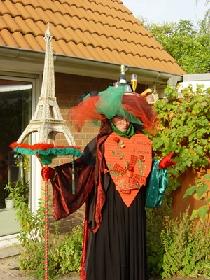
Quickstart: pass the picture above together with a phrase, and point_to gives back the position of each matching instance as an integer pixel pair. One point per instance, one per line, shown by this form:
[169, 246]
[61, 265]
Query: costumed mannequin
[115, 177]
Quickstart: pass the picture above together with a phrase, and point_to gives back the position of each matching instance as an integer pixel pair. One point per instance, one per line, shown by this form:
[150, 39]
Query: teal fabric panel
[156, 186]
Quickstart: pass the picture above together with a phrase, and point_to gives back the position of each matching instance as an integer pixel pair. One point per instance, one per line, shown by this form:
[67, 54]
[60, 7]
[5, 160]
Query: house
[91, 39]
[195, 81]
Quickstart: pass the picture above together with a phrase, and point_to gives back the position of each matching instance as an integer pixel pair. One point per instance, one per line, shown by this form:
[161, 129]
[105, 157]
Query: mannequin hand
[47, 173]
[167, 161]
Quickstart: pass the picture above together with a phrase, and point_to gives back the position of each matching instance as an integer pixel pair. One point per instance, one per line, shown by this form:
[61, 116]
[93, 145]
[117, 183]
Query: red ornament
[167, 161]
[47, 173]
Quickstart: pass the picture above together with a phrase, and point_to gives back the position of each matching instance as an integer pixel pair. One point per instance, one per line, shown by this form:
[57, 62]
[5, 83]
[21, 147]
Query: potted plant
[9, 202]
[9, 199]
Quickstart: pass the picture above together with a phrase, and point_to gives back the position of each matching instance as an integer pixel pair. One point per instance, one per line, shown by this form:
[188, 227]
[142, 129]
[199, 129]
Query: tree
[188, 45]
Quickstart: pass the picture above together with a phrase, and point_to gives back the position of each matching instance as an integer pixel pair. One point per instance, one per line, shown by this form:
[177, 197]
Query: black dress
[118, 250]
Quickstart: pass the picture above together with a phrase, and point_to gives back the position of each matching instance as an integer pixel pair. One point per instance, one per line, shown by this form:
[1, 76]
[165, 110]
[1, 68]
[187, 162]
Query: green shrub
[67, 255]
[186, 248]
[184, 129]
[64, 255]
[155, 224]
[200, 191]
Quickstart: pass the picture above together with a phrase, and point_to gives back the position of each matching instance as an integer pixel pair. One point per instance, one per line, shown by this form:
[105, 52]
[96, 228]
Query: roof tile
[21, 25]
[33, 26]
[3, 8]
[32, 42]
[101, 30]
[8, 38]
[41, 42]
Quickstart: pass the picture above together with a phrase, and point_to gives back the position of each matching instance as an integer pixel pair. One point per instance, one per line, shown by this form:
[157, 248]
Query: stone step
[9, 251]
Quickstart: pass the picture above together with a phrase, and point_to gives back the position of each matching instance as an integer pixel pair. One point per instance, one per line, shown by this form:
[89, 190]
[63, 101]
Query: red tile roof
[98, 30]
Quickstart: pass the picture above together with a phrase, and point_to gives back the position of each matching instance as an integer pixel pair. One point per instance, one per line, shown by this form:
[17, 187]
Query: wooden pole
[46, 231]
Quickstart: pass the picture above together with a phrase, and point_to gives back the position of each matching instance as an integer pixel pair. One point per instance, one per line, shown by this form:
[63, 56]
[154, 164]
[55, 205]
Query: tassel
[73, 178]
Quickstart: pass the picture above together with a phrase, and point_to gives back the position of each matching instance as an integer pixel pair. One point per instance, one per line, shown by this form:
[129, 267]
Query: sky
[160, 11]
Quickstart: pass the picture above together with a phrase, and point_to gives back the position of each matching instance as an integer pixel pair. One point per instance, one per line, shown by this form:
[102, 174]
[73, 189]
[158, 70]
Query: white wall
[196, 80]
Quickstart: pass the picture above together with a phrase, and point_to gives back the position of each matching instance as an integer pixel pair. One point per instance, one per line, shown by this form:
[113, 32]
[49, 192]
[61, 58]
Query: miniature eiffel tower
[47, 120]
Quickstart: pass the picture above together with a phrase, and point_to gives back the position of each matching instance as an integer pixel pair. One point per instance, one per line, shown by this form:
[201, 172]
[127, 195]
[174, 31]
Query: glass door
[15, 113]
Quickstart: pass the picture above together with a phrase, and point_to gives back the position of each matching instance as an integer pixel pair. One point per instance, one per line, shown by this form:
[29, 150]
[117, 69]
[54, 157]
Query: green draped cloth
[156, 186]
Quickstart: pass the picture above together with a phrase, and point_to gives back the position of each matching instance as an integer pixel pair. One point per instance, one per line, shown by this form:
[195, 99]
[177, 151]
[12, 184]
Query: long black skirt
[118, 250]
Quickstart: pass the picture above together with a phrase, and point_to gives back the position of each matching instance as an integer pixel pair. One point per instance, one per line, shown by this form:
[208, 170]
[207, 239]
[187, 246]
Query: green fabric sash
[127, 134]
